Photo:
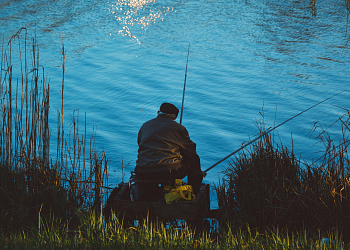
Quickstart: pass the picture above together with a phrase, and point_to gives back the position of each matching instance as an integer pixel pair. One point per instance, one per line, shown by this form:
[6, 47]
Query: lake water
[124, 58]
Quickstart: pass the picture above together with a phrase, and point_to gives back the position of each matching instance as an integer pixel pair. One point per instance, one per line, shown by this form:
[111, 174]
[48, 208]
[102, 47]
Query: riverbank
[95, 233]
[49, 200]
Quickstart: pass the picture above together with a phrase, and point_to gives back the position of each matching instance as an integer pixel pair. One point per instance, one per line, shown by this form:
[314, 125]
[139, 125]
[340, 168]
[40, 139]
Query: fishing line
[269, 130]
[183, 94]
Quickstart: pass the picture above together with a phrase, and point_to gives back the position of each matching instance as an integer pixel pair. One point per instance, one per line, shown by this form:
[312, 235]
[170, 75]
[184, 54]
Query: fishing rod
[268, 131]
[183, 94]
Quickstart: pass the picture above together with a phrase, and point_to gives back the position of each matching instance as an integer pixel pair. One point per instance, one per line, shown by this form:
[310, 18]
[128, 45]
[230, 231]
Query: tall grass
[266, 186]
[32, 185]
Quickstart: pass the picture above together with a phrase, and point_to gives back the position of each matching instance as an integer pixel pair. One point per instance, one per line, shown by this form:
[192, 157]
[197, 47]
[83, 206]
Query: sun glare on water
[135, 16]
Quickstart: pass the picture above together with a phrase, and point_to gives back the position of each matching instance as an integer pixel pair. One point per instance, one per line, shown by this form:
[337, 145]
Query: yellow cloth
[179, 193]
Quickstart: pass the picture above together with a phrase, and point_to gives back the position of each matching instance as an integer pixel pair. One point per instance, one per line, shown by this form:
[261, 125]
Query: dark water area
[124, 58]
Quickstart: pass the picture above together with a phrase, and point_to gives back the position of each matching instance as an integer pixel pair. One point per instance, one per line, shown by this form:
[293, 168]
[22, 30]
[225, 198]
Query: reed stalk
[32, 186]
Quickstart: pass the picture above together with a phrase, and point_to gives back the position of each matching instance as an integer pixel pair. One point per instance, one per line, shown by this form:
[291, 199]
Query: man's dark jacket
[163, 143]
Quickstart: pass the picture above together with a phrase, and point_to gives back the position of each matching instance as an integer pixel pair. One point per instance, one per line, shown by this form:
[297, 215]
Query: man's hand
[204, 174]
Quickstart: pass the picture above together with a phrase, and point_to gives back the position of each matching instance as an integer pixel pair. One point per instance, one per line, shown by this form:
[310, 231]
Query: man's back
[163, 143]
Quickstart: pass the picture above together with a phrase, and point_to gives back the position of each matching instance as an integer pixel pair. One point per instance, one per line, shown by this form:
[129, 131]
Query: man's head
[169, 109]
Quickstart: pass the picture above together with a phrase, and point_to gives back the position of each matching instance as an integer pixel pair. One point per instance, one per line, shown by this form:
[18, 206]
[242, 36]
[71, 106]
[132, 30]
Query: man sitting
[165, 153]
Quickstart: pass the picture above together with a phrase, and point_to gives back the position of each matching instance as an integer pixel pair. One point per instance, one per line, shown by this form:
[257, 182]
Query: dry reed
[30, 181]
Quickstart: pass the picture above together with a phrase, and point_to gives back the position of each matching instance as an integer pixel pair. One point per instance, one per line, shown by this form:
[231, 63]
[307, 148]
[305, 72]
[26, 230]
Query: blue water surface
[247, 58]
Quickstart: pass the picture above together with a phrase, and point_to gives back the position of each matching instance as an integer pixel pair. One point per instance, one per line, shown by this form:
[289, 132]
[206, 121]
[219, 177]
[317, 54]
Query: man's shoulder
[150, 121]
[165, 121]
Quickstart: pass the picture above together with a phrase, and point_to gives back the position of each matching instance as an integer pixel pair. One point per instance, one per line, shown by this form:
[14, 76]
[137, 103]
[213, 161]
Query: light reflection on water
[136, 14]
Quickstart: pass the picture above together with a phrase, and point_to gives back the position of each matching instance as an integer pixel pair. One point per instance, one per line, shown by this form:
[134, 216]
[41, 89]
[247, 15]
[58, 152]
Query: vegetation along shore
[52, 195]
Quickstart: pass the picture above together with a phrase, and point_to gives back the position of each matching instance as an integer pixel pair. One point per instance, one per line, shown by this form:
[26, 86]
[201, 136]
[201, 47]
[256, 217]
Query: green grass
[95, 233]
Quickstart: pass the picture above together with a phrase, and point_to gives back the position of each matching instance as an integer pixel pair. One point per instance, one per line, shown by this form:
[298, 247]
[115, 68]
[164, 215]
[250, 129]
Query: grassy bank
[54, 202]
[95, 233]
